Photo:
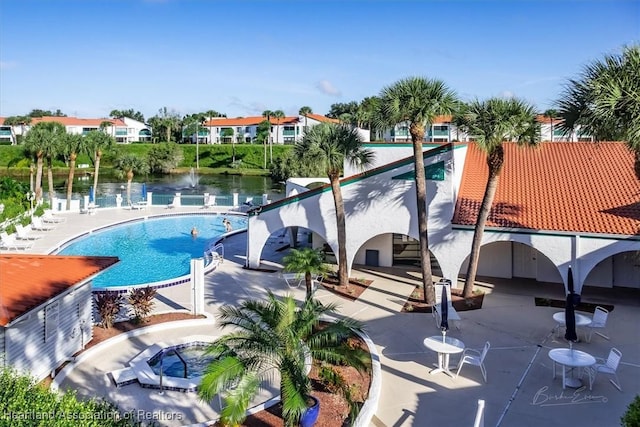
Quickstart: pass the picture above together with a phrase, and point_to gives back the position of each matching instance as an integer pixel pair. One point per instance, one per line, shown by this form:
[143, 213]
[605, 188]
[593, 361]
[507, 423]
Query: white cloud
[252, 109]
[326, 87]
[507, 94]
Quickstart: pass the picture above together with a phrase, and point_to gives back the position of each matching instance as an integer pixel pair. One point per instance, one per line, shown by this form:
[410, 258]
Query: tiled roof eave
[512, 230]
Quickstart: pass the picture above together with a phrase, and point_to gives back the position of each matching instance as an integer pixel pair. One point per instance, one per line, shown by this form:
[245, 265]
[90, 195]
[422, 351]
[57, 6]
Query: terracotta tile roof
[322, 118]
[545, 120]
[26, 281]
[559, 186]
[75, 121]
[248, 121]
[442, 119]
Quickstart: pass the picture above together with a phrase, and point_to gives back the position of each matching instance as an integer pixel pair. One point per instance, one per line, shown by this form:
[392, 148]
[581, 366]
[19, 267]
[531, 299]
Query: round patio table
[581, 320]
[572, 358]
[444, 346]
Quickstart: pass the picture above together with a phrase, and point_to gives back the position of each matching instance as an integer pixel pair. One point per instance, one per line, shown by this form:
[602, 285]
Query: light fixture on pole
[31, 195]
[197, 147]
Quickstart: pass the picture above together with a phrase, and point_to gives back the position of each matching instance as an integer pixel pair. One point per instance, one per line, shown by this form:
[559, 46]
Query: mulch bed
[416, 304]
[352, 291]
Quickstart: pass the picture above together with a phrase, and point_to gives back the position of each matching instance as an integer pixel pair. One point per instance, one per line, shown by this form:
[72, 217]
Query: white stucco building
[556, 206]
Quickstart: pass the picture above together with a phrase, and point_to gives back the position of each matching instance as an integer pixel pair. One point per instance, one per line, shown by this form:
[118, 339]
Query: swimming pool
[153, 249]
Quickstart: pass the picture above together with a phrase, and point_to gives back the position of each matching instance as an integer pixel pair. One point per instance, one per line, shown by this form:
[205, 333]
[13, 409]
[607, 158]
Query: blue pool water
[151, 250]
[195, 357]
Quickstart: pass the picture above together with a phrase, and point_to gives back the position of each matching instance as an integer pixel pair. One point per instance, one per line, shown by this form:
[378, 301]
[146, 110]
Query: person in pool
[194, 232]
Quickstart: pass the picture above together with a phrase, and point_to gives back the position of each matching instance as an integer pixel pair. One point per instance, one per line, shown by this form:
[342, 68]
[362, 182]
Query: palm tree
[127, 165]
[267, 115]
[71, 146]
[418, 100]
[42, 141]
[304, 111]
[604, 100]
[96, 143]
[329, 144]
[278, 115]
[493, 122]
[275, 335]
[308, 262]
[551, 114]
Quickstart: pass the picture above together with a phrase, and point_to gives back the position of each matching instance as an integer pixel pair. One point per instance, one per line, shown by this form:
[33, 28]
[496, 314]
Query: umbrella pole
[444, 333]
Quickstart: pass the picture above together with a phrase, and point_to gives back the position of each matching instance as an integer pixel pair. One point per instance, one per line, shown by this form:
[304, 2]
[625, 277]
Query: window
[51, 313]
[238, 129]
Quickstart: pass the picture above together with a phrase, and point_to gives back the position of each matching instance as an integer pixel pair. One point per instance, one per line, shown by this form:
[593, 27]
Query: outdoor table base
[572, 359]
[444, 346]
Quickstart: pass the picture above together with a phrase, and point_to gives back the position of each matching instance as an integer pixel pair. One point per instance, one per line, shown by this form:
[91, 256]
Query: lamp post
[31, 197]
[197, 147]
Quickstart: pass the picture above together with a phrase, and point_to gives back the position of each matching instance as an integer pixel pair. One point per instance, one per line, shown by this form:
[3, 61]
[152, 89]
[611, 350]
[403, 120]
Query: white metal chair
[37, 224]
[609, 366]
[23, 234]
[293, 280]
[211, 201]
[452, 314]
[475, 357]
[173, 203]
[599, 321]
[9, 242]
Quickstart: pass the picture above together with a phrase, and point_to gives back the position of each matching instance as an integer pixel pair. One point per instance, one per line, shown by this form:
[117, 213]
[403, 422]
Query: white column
[235, 200]
[197, 285]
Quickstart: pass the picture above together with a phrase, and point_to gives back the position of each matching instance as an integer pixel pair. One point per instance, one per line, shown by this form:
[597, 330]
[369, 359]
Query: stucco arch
[593, 252]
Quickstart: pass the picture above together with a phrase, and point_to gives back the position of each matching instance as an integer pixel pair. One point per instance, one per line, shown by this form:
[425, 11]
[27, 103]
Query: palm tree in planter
[270, 336]
[491, 123]
[308, 262]
[328, 145]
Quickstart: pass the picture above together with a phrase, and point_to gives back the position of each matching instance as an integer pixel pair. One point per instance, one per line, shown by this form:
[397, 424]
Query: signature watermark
[542, 397]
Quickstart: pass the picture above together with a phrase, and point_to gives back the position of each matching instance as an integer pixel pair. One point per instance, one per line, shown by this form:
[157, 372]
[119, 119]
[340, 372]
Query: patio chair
[435, 310]
[599, 321]
[10, 243]
[173, 203]
[475, 357]
[293, 280]
[37, 224]
[211, 201]
[609, 366]
[23, 234]
[48, 216]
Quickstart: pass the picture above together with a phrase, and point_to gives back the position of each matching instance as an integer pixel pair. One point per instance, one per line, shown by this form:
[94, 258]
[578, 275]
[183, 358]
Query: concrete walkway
[520, 389]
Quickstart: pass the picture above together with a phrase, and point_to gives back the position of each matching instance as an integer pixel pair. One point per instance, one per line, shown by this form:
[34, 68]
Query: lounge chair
[211, 201]
[452, 313]
[293, 280]
[23, 233]
[10, 242]
[37, 224]
[48, 216]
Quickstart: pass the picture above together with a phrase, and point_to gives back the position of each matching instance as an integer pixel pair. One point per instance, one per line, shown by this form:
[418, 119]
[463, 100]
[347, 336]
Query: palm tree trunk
[129, 179]
[417, 133]
[39, 167]
[95, 176]
[72, 170]
[308, 284]
[636, 164]
[343, 277]
[495, 160]
[50, 179]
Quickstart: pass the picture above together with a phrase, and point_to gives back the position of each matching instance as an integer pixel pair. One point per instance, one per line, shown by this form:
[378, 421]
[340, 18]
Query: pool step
[124, 376]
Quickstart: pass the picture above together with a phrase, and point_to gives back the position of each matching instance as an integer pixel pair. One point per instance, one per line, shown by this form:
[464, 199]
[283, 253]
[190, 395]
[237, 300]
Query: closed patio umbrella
[144, 191]
[573, 300]
[444, 310]
[91, 198]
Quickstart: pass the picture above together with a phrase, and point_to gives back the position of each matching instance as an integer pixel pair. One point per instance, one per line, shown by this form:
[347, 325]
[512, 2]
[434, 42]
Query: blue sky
[88, 57]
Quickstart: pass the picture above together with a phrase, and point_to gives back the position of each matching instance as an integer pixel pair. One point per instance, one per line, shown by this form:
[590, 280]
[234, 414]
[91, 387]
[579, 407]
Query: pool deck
[520, 389]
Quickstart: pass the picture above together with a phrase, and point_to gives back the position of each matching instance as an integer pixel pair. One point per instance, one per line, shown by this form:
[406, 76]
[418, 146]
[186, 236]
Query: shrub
[109, 305]
[631, 417]
[37, 406]
[141, 299]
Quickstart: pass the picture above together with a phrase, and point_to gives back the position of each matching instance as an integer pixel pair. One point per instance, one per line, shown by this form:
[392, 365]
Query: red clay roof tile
[576, 187]
[26, 281]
